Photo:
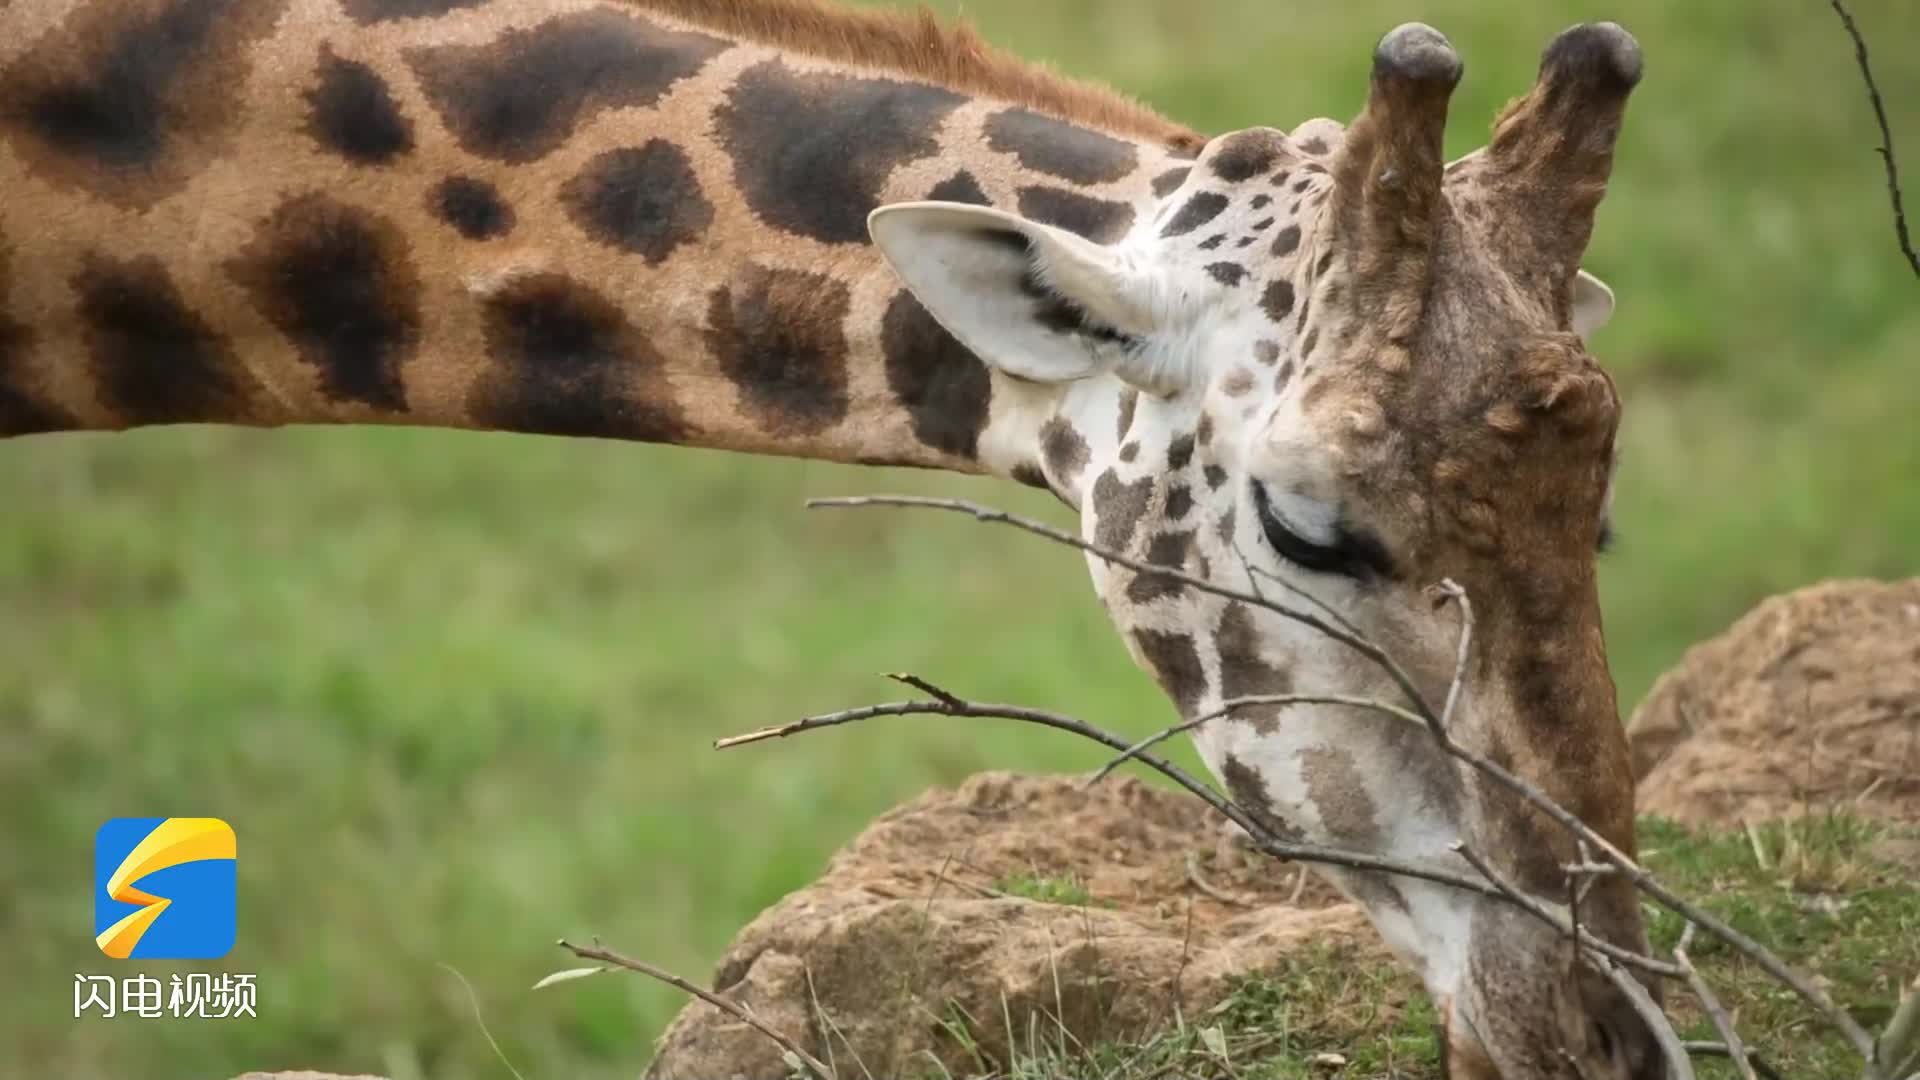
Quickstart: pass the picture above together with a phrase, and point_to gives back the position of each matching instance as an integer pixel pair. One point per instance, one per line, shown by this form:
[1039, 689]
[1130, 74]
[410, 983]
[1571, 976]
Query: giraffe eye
[1353, 554]
[1293, 547]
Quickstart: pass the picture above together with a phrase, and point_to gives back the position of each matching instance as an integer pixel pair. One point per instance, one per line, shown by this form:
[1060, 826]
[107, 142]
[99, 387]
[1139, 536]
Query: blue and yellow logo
[185, 904]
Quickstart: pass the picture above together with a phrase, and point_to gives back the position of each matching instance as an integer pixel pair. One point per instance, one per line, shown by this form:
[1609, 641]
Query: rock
[1811, 701]
[881, 963]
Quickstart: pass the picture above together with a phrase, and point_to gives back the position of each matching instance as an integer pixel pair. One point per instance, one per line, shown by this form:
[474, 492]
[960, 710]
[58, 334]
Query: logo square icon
[165, 888]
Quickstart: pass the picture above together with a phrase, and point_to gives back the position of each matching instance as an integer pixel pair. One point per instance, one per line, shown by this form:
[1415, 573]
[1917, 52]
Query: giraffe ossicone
[1323, 357]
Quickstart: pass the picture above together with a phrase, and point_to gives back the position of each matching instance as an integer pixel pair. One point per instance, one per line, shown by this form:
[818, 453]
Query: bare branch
[1679, 1065]
[1710, 1004]
[1198, 881]
[1299, 886]
[1900, 1043]
[1538, 910]
[1255, 573]
[1886, 136]
[1589, 869]
[1448, 590]
[1263, 837]
[740, 1012]
[1714, 1049]
[909, 679]
[1233, 705]
[988, 514]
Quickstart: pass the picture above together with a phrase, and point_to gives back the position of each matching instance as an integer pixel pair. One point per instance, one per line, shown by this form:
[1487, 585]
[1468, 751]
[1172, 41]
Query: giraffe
[1323, 357]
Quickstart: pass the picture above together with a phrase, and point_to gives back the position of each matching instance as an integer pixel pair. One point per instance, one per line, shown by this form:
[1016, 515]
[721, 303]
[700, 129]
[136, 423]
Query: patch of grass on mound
[1326, 1012]
[1830, 894]
[1065, 889]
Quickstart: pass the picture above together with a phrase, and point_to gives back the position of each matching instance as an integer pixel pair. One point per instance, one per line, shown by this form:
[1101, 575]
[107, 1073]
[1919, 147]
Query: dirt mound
[1016, 907]
[1811, 701]
[924, 937]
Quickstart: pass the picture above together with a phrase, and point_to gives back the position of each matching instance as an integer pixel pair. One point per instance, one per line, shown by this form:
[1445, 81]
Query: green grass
[1834, 897]
[456, 692]
[1067, 889]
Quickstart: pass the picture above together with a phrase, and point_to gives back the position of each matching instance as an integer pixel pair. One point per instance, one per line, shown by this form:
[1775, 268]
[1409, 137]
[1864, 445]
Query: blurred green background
[456, 692]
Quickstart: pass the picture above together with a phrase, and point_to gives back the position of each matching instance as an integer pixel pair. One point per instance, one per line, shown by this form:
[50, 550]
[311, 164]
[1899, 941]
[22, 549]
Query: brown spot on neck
[1100, 220]
[643, 200]
[1338, 791]
[811, 150]
[340, 284]
[1118, 509]
[1060, 149]
[961, 187]
[1246, 154]
[352, 112]
[1168, 549]
[519, 97]
[154, 360]
[942, 385]
[1249, 792]
[368, 12]
[780, 336]
[129, 99]
[1129, 400]
[1244, 670]
[471, 207]
[567, 362]
[23, 407]
[1064, 449]
[1176, 664]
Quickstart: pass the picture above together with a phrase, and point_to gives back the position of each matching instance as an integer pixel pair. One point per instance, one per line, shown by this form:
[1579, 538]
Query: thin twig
[1201, 883]
[909, 679]
[1447, 590]
[1886, 136]
[734, 1009]
[1585, 873]
[1576, 893]
[1714, 1049]
[1354, 641]
[1538, 910]
[1679, 1065]
[1255, 573]
[1262, 837]
[1589, 869]
[1710, 1004]
[1233, 705]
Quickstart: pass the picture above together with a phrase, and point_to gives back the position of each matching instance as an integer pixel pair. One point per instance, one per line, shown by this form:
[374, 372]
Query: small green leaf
[567, 976]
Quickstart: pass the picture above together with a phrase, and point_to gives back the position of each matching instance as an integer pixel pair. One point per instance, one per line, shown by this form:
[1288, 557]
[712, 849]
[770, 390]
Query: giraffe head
[1330, 365]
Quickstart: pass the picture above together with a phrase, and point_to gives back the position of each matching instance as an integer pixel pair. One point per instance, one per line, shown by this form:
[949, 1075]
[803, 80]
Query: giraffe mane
[917, 44]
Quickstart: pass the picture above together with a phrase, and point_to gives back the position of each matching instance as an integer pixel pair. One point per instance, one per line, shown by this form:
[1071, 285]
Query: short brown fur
[917, 45]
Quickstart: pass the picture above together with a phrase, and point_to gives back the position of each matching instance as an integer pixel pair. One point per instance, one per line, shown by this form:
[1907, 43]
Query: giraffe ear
[1033, 301]
[1592, 304]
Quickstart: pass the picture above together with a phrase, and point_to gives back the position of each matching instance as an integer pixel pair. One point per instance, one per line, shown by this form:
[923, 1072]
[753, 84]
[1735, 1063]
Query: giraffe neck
[612, 219]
